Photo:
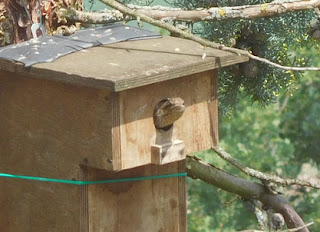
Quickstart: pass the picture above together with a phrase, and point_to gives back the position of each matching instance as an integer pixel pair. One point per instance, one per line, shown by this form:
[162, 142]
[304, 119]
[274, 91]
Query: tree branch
[186, 35]
[104, 17]
[208, 173]
[260, 175]
[274, 8]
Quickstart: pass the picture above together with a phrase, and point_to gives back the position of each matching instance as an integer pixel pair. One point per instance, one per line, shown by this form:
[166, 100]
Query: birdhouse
[89, 116]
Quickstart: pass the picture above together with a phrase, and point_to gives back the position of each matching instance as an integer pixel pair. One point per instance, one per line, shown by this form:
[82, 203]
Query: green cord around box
[78, 182]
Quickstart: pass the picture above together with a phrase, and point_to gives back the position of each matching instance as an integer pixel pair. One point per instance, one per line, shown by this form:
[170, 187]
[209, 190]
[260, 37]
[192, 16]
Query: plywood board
[49, 128]
[28, 206]
[130, 64]
[197, 127]
[148, 205]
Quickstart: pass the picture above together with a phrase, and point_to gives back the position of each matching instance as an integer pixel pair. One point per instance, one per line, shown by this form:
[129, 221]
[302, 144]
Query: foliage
[301, 121]
[277, 39]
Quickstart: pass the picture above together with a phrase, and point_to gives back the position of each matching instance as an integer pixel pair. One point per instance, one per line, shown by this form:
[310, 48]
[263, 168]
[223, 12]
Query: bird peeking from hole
[167, 111]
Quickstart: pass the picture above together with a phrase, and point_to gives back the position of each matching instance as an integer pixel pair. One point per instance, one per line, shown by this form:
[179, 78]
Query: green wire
[78, 182]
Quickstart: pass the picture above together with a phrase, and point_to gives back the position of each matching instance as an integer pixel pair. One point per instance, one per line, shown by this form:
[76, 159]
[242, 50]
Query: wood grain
[49, 128]
[167, 152]
[197, 127]
[115, 161]
[84, 201]
[213, 109]
[112, 131]
[149, 205]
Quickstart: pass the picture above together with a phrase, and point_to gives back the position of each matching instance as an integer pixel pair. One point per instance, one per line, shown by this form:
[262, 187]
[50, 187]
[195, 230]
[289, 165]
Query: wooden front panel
[198, 127]
[150, 205]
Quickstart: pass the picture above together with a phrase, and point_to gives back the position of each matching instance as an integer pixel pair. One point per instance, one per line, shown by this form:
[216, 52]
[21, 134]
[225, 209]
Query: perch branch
[186, 35]
[197, 169]
[274, 8]
[260, 175]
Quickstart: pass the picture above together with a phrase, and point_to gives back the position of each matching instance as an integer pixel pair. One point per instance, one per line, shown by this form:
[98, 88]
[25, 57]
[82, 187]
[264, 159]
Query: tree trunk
[17, 17]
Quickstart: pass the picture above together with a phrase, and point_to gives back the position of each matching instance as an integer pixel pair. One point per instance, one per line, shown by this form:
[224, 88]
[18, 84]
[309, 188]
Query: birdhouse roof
[130, 64]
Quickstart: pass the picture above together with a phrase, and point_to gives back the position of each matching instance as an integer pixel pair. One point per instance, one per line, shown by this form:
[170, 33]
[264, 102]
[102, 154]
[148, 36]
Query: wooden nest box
[89, 116]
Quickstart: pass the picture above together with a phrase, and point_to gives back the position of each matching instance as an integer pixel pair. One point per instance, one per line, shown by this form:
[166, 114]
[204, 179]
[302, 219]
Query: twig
[260, 175]
[189, 36]
[226, 204]
[288, 230]
[264, 60]
[299, 228]
[251, 230]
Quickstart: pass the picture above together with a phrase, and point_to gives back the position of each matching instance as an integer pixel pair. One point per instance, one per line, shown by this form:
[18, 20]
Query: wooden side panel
[47, 129]
[149, 205]
[84, 201]
[182, 186]
[197, 127]
[213, 109]
[116, 138]
[29, 206]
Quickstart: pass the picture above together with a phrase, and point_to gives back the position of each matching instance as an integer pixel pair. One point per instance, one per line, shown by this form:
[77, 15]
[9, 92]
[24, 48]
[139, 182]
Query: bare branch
[274, 8]
[289, 230]
[299, 228]
[260, 175]
[208, 173]
[107, 16]
[281, 66]
[189, 36]
[226, 204]
[251, 231]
